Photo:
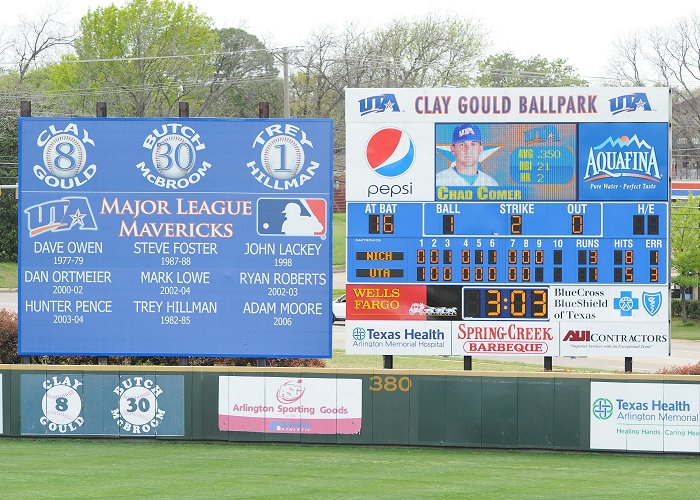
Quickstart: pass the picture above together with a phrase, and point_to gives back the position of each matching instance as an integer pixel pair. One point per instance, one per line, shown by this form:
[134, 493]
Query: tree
[428, 52]
[506, 70]
[142, 58]
[8, 225]
[34, 39]
[685, 246]
[145, 57]
[668, 56]
[26, 47]
[244, 74]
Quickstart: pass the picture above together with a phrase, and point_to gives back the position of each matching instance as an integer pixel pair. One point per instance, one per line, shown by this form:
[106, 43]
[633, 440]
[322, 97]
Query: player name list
[171, 266]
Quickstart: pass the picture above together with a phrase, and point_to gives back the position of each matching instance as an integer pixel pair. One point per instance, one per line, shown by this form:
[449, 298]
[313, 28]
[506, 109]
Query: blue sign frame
[177, 237]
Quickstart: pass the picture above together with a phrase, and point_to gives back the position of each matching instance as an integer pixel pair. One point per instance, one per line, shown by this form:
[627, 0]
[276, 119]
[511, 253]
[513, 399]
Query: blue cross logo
[626, 304]
[602, 409]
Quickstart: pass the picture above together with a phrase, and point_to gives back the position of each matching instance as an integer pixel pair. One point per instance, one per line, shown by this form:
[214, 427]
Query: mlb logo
[292, 217]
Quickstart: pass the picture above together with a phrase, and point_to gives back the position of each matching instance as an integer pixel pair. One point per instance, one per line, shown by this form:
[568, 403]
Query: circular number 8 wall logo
[61, 405]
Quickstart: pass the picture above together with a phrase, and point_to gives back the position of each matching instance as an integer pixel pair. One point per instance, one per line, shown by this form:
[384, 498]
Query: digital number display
[505, 303]
[383, 224]
[448, 224]
[511, 243]
[576, 224]
[542, 164]
[516, 224]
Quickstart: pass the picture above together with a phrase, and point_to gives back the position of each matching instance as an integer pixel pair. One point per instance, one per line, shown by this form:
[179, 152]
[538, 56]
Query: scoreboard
[555, 243]
[506, 243]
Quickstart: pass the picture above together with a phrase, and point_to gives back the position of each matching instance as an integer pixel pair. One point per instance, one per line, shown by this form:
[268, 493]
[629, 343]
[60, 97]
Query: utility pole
[285, 72]
[284, 59]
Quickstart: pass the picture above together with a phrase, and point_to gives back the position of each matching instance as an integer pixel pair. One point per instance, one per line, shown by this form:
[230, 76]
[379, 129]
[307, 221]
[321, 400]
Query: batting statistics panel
[508, 221]
[205, 237]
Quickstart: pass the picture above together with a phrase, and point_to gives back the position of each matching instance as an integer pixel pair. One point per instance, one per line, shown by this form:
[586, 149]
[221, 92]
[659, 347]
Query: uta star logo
[78, 218]
[641, 104]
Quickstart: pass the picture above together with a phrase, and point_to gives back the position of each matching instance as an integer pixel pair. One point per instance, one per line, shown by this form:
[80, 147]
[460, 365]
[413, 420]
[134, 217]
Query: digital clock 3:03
[504, 303]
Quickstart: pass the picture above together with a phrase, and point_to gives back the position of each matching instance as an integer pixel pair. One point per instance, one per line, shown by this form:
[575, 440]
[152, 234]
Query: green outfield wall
[550, 411]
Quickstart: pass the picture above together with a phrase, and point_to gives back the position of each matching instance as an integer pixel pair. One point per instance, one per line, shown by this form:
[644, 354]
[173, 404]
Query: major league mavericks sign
[175, 237]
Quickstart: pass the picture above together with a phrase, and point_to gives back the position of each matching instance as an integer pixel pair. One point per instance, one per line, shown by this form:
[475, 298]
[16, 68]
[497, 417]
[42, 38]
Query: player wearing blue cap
[465, 170]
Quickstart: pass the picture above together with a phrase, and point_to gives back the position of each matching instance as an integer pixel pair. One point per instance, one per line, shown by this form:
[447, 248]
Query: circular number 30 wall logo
[138, 411]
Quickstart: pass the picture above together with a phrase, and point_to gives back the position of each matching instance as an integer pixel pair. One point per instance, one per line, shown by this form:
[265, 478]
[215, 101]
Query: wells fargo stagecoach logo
[174, 163]
[61, 405]
[138, 411]
[60, 215]
[622, 157]
[65, 157]
[418, 308]
[282, 165]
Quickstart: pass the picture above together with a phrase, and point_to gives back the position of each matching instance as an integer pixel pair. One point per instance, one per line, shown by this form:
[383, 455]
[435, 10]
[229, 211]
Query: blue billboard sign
[623, 161]
[515, 220]
[183, 237]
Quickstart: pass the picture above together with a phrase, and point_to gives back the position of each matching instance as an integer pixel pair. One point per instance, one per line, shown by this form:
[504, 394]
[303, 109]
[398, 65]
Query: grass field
[339, 240]
[8, 275]
[166, 469]
[685, 331]
[342, 360]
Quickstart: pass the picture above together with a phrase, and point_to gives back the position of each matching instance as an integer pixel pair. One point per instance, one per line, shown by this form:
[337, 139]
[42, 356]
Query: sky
[584, 35]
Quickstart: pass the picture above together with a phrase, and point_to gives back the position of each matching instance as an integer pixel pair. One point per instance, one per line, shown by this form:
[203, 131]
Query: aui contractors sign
[78, 404]
[645, 416]
[290, 405]
[622, 321]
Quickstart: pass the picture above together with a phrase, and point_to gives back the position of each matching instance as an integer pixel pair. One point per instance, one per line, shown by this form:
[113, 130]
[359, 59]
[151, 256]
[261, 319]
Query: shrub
[8, 337]
[689, 369]
[692, 307]
[8, 226]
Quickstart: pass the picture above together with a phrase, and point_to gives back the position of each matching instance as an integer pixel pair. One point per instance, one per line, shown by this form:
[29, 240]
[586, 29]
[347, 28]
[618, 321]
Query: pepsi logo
[390, 152]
